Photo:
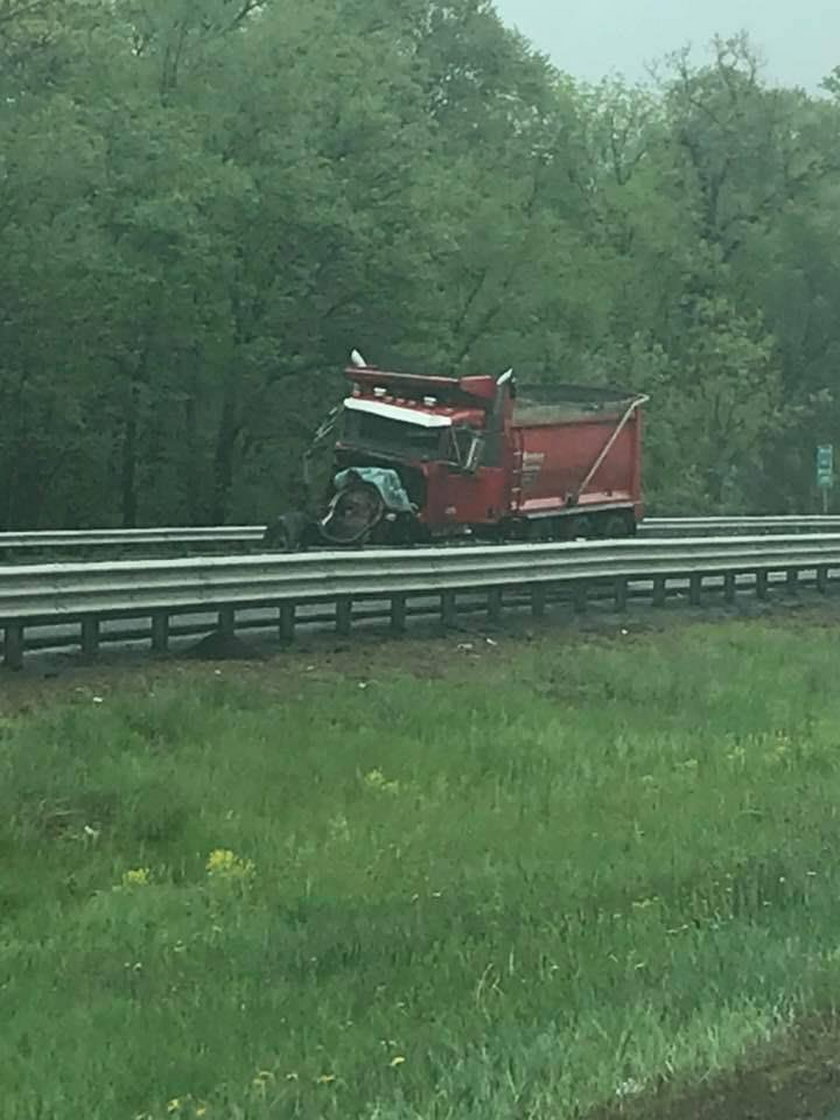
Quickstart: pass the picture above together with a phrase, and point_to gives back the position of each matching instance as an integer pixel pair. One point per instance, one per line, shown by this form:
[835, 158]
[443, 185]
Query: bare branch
[246, 8]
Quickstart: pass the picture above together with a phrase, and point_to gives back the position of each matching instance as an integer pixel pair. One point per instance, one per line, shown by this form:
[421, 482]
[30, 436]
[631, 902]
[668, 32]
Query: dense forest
[205, 204]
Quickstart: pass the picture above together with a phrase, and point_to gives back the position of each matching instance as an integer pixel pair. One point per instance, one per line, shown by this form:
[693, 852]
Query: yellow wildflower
[224, 864]
[138, 877]
[397, 1060]
[326, 1079]
[174, 1105]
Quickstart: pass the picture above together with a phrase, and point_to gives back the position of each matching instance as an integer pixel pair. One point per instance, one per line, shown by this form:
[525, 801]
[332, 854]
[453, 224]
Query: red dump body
[555, 453]
[478, 453]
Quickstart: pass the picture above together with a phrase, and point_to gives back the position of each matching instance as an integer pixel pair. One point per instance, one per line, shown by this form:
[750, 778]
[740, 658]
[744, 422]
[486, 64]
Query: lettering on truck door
[528, 466]
[532, 465]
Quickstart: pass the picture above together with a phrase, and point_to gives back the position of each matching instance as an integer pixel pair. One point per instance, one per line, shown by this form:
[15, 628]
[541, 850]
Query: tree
[204, 204]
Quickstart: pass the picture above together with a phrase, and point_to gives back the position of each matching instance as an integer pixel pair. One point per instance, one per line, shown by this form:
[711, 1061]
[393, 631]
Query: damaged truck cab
[420, 458]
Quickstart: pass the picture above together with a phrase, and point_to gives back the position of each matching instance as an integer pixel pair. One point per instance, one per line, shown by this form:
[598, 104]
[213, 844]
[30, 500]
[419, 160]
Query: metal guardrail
[131, 540]
[685, 526]
[82, 539]
[87, 594]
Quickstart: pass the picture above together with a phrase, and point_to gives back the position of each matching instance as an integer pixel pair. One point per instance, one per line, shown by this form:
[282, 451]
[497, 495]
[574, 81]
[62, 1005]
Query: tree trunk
[224, 458]
[129, 463]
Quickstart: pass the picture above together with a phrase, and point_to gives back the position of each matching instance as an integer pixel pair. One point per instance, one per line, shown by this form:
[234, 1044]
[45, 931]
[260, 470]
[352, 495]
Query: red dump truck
[420, 458]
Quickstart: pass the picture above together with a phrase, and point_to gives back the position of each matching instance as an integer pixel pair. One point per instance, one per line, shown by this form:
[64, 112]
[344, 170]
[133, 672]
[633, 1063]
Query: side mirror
[466, 448]
[473, 456]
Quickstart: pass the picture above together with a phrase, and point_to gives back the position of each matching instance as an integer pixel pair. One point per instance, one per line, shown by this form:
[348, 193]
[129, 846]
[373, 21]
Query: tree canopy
[204, 204]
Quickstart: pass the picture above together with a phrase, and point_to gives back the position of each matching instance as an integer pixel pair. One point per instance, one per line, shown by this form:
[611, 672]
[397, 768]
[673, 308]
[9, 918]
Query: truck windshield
[379, 433]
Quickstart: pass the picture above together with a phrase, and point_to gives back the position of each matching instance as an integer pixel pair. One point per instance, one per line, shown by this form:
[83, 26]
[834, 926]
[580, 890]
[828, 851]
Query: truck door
[473, 489]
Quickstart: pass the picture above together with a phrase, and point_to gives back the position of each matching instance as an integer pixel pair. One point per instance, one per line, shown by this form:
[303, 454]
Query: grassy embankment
[521, 891]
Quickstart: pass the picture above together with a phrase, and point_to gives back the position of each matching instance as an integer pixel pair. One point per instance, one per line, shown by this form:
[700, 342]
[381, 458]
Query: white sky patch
[799, 41]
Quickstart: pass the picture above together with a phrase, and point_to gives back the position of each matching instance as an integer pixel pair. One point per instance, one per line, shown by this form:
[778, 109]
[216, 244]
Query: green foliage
[598, 865]
[204, 204]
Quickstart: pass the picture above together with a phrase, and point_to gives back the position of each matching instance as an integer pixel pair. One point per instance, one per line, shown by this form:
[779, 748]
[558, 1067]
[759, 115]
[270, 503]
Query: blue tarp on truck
[387, 482]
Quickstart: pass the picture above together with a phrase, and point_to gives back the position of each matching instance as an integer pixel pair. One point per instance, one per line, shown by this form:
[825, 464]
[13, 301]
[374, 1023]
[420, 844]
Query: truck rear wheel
[585, 527]
[618, 525]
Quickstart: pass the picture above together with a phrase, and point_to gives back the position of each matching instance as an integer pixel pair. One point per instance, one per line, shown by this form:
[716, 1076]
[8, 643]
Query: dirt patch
[218, 646]
[41, 684]
[797, 1078]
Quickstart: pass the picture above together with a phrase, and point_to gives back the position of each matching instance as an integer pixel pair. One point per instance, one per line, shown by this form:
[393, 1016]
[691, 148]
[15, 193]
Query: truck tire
[618, 525]
[584, 527]
[354, 514]
[286, 533]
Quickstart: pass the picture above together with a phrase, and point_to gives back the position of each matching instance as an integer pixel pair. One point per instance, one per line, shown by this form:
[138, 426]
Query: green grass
[519, 892]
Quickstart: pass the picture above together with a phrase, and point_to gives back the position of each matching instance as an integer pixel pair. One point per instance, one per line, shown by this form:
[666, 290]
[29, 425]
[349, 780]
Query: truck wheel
[538, 531]
[275, 537]
[353, 514]
[584, 527]
[617, 525]
[285, 534]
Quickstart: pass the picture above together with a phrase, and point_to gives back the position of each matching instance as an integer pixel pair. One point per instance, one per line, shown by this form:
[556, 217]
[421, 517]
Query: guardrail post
[398, 612]
[659, 591]
[822, 579]
[761, 585]
[160, 631]
[343, 616]
[13, 646]
[729, 587]
[90, 637]
[448, 609]
[620, 593]
[538, 600]
[695, 589]
[792, 581]
[227, 622]
[494, 604]
[580, 597]
[286, 622]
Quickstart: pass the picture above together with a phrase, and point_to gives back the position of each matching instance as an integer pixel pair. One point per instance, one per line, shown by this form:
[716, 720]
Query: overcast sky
[799, 39]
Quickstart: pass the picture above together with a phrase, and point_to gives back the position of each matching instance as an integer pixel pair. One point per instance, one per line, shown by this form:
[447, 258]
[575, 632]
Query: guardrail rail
[249, 537]
[724, 526]
[84, 596]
